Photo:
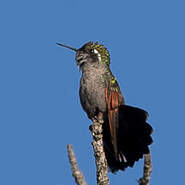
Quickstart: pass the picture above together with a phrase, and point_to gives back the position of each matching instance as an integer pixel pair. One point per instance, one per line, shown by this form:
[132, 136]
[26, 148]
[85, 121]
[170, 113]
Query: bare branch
[147, 170]
[77, 174]
[100, 159]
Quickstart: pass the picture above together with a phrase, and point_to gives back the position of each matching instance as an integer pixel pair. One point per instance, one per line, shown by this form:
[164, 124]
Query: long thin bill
[69, 47]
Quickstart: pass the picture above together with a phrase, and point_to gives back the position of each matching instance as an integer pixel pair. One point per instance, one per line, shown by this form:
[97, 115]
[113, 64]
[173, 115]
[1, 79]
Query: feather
[133, 138]
[112, 100]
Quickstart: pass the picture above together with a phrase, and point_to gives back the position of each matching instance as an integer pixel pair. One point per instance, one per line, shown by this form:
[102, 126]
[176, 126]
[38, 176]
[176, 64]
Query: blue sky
[39, 104]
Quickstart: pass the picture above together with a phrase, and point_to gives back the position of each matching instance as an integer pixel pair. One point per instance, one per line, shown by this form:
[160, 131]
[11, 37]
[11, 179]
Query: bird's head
[91, 53]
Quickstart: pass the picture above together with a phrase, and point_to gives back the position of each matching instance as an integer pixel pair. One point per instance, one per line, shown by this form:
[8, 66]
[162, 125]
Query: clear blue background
[40, 111]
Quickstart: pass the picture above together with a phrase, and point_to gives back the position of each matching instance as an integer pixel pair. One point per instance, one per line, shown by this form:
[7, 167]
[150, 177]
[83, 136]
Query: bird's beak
[69, 47]
[79, 58]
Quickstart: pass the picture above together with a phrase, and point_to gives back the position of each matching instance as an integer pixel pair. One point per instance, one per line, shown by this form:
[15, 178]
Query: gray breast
[92, 91]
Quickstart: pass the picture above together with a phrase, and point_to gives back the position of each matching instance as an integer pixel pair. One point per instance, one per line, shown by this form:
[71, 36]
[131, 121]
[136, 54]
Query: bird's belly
[92, 96]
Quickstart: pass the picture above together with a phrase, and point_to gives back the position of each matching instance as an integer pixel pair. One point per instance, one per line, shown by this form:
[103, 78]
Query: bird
[126, 133]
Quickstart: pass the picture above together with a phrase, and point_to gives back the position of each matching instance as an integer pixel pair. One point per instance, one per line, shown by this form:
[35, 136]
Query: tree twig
[100, 159]
[147, 169]
[77, 174]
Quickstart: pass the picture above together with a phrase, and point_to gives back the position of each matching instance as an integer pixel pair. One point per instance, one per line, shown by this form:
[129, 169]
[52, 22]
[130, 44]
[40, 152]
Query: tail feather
[133, 138]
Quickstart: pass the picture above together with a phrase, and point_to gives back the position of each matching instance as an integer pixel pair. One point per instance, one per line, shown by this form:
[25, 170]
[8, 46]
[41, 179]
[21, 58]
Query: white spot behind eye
[99, 56]
[95, 51]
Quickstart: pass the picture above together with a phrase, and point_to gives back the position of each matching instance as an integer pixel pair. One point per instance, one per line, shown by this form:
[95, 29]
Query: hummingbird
[126, 134]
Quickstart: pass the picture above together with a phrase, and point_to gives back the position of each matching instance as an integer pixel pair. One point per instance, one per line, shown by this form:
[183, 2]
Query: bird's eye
[91, 50]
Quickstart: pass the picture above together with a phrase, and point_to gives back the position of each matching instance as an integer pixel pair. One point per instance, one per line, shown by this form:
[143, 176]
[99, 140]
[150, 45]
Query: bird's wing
[113, 99]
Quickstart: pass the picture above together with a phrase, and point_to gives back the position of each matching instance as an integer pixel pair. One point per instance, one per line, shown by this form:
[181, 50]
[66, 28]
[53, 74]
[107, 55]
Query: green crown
[102, 50]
